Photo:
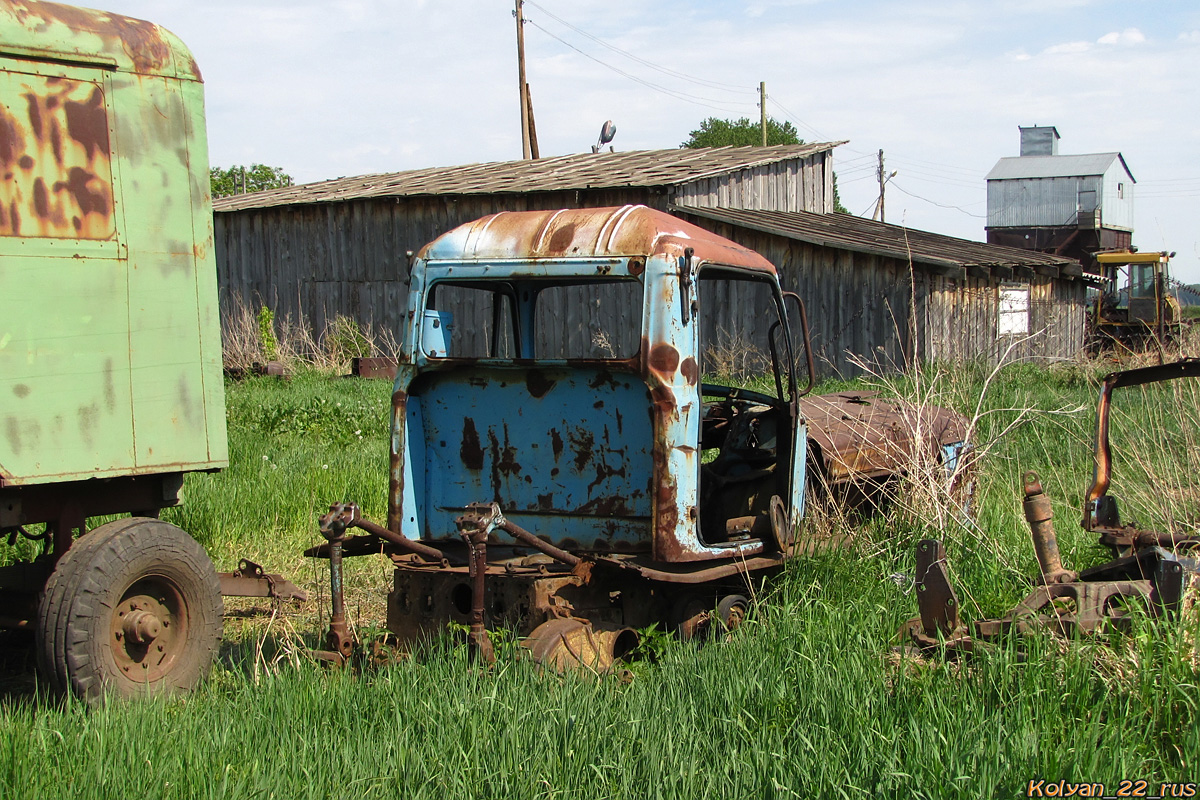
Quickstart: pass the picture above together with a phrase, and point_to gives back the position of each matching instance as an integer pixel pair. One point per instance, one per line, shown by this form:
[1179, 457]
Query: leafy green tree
[745, 132]
[240, 180]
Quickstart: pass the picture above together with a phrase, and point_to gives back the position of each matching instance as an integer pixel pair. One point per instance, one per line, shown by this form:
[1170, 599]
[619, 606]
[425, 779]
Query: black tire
[134, 607]
[731, 611]
[53, 608]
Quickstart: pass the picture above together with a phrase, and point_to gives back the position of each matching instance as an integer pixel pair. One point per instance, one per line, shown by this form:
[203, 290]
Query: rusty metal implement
[1150, 569]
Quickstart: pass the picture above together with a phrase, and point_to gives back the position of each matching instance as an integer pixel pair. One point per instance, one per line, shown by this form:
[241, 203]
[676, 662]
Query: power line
[939, 205]
[796, 119]
[689, 98]
[725, 87]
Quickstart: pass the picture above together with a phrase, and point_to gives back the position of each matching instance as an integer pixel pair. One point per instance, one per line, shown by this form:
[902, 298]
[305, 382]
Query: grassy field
[805, 700]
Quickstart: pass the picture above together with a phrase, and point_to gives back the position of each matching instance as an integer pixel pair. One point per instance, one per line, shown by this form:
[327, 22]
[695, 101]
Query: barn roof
[847, 232]
[560, 173]
[1017, 167]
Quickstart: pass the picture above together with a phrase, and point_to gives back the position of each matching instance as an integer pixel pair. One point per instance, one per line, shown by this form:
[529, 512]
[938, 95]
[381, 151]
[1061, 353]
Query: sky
[348, 87]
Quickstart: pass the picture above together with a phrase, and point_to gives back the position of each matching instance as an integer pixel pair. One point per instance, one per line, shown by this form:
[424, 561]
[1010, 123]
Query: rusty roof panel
[588, 232]
[54, 32]
[847, 232]
[561, 173]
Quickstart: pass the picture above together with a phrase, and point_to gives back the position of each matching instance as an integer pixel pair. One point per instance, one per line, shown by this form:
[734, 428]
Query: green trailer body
[111, 387]
[110, 350]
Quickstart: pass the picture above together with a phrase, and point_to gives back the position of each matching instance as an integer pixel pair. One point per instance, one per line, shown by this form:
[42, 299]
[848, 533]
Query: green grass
[805, 700]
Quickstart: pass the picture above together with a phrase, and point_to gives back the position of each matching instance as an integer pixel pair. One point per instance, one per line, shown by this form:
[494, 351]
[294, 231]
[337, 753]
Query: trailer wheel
[134, 607]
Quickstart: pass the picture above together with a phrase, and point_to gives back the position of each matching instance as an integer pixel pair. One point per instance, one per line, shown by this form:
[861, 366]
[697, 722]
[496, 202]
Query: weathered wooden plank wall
[859, 309]
[793, 185]
[319, 261]
[961, 318]
[322, 260]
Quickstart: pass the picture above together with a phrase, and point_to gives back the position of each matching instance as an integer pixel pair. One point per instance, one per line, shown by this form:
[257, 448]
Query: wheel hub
[141, 627]
[149, 629]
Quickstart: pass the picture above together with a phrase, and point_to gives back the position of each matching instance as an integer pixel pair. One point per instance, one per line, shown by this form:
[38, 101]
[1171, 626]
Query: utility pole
[762, 105]
[882, 184]
[522, 88]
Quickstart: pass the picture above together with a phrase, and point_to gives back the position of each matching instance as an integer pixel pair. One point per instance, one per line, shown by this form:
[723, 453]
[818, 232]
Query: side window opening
[745, 431]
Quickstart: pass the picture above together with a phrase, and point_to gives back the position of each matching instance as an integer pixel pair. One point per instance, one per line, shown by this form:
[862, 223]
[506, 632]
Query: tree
[715, 132]
[240, 180]
[745, 132]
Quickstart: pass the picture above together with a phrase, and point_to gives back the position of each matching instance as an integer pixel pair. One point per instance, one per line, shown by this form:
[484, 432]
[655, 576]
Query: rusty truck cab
[552, 365]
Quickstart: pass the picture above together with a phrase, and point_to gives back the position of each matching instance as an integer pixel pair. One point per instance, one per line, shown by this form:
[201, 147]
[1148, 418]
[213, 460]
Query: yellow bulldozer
[1135, 306]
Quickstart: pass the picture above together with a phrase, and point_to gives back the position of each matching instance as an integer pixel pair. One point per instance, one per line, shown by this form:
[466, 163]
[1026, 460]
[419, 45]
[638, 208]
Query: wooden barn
[870, 286]
[341, 247]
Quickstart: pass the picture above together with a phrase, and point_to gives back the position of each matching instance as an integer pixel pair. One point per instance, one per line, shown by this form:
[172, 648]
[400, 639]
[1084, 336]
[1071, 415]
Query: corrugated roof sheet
[1015, 167]
[848, 232]
[560, 173]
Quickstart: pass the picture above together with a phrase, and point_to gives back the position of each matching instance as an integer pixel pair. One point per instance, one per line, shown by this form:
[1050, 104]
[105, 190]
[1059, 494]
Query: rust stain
[663, 358]
[395, 467]
[64, 182]
[582, 444]
[35, 115]
[603, 378]
[562, 239]
[10, 139]
[41, 203]
[504, 461]
[89, 200]
[88, 124]
[614, 506]
[690, 370]
[556, 443]
[471, 450]
[142, 41]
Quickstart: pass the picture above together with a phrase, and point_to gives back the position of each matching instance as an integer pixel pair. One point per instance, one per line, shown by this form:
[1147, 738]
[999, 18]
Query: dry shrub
[732, 357]
[246, 340]
[927, 496]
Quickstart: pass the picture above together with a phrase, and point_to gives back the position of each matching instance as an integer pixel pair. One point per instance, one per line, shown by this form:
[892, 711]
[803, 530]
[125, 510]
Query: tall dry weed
[292, 340]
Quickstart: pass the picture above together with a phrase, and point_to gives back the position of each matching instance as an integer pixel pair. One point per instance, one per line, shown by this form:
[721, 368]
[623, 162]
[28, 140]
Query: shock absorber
[1040, 517]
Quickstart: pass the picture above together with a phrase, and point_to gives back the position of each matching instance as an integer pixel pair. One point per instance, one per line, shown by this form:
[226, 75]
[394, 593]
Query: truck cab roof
[624, 232]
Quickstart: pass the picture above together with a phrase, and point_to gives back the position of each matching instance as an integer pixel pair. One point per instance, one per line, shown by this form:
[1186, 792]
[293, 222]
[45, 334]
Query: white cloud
[1191, 37]
[1128, 36]
[1068, 48]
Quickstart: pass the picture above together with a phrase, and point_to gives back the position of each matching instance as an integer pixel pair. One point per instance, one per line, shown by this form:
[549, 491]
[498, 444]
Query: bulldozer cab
[1134, 303]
